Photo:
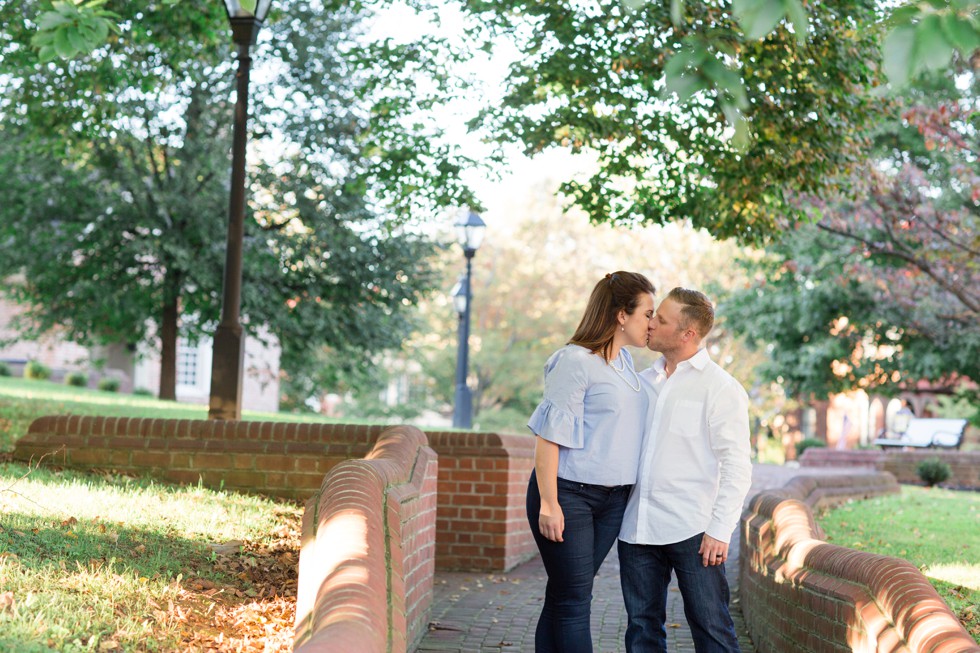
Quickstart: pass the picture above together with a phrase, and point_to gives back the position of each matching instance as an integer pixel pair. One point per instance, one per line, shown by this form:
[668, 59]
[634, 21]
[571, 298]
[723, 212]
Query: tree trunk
[168, 341]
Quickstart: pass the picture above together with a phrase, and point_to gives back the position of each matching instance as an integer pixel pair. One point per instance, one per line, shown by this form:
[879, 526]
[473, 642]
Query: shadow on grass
[98, 584]
[41, 543]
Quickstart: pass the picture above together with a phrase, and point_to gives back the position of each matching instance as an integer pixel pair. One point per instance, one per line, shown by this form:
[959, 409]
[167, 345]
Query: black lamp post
[246, 17]
[469, 234]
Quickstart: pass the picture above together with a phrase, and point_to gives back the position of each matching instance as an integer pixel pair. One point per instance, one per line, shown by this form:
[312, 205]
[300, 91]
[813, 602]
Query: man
[695, 470]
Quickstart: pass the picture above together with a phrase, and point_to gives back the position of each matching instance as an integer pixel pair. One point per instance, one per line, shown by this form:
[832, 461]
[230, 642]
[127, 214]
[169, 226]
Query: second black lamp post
[469, 233]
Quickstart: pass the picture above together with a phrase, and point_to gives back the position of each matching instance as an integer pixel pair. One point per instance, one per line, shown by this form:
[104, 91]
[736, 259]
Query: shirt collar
[698, 361]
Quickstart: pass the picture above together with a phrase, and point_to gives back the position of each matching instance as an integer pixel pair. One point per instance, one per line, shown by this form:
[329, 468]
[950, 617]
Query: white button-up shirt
[695, 463]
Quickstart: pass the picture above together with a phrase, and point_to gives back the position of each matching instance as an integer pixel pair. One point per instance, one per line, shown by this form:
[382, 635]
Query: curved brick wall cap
[350, 580]
[783, 543]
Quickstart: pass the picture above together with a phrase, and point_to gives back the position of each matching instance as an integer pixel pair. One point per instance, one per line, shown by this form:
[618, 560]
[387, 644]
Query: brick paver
[497, 613]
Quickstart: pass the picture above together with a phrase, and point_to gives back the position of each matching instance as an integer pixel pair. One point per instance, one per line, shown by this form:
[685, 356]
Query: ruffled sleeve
[558, 418]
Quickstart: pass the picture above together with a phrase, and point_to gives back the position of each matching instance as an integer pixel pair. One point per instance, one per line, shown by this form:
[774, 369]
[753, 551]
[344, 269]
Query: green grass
[100, 562]
[936, 530]
[97, 562]
[24, 400]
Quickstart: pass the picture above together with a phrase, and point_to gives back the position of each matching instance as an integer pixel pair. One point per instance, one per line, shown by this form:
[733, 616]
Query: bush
[933, 471]
[143, 392]
[109, 384]
[4, 369]
[77, 379]
[36, 370]
[806, 443]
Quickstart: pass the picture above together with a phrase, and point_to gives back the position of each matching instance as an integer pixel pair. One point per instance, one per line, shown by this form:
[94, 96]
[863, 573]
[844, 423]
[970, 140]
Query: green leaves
[924, 36]
[897, 53]
[73, 28]
[122, 157]
[694, 69]
[758, 17]
[683, 73]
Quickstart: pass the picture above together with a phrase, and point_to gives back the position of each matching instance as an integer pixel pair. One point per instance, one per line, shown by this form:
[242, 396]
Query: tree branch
[954, 289]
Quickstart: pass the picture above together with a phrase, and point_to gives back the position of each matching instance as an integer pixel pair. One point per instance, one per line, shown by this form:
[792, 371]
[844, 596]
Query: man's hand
[713, 552]
[551, 521]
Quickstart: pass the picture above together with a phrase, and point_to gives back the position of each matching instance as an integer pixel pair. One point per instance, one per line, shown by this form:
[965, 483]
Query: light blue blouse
[593, 414]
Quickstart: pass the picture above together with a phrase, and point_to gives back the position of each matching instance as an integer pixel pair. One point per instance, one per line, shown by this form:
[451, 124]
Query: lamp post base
[226, 373]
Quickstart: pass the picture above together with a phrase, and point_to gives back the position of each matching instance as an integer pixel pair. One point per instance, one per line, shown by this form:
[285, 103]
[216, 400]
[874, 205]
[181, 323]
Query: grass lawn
[101, 562]
[937, 530]
[105, 563]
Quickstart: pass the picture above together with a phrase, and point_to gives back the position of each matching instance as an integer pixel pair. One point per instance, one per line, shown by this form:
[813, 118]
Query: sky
[519, 173]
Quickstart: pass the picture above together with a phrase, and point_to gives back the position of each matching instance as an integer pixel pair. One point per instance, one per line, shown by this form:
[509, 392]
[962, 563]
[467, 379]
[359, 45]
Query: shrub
[143, 392]
[933, 471]
[77, 379]
[109, 384]
[4, 369]
[806, 443]
[36, 370]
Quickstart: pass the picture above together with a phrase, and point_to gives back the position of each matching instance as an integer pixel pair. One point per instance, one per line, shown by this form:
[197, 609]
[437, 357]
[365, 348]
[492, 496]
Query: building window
[187, 363]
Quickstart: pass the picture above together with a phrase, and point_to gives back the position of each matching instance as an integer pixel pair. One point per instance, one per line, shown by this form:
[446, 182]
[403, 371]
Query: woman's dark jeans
[593, 515]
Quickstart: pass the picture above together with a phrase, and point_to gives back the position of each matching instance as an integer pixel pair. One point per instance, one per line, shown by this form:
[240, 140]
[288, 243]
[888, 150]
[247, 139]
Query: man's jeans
[593, 515]
[645, 575]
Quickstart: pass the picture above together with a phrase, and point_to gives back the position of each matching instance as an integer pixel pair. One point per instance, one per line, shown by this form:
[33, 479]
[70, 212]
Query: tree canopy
[116, 174]
[698, 110]
[881, 290]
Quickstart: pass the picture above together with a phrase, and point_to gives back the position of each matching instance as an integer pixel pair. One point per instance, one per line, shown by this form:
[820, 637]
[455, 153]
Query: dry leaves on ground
[254, 614]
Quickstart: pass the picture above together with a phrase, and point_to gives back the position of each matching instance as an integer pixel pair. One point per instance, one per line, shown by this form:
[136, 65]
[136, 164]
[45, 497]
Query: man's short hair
[697, 310]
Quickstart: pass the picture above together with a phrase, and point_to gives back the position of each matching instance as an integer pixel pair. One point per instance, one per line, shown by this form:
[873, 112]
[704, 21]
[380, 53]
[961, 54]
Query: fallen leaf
[231, 546]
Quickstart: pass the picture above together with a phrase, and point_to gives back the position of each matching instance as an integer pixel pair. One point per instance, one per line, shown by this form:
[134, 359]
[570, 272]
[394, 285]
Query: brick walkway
[497, 613]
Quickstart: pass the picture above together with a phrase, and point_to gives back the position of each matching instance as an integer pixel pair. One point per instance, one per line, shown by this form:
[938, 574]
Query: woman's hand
[551, 521]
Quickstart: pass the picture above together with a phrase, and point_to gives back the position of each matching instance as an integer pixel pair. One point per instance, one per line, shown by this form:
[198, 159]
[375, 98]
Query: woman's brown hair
[619, 291]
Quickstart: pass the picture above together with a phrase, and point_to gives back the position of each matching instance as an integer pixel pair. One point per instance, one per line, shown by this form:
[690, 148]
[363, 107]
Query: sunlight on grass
[957, 574]
[937, 530]
[92, 562]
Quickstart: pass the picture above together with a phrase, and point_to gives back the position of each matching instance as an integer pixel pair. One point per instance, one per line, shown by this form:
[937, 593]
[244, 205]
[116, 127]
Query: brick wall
[367, 559]
[481, 524]
[276, 458]
[965, 465]
[799, 593]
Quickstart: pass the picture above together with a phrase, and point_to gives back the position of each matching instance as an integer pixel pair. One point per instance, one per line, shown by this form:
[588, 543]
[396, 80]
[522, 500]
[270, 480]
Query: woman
[588, 431]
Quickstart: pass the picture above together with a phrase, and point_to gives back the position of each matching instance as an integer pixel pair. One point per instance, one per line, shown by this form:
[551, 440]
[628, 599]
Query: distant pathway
[497, 613]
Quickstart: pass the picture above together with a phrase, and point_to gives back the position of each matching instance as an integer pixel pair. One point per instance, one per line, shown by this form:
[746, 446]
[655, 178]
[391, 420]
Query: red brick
[276, 463]
[210, 461]
[157, 459]
[180, 460]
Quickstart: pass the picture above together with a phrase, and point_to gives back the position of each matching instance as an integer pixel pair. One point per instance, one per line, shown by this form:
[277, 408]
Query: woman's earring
[622, 328]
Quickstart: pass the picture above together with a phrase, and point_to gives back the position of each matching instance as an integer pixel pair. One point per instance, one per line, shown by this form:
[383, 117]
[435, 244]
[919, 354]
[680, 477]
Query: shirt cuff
[720, 532]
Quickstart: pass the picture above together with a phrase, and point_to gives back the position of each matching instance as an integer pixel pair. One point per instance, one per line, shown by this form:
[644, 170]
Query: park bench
[925, 432]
